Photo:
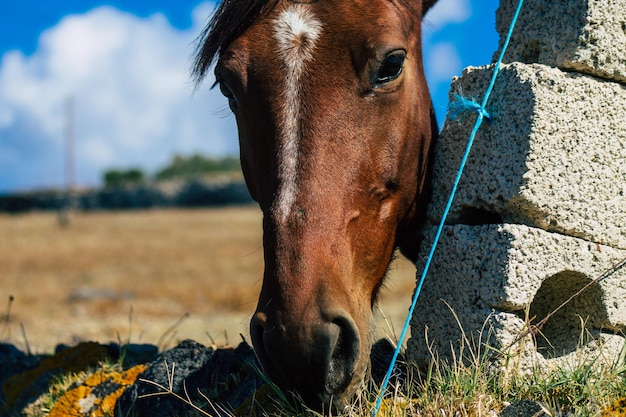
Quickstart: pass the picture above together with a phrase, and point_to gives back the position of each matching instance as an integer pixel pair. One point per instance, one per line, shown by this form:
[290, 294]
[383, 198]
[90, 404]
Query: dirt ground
[155, 276]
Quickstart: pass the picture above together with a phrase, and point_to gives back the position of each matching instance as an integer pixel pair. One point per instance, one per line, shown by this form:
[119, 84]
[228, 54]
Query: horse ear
[427, 4]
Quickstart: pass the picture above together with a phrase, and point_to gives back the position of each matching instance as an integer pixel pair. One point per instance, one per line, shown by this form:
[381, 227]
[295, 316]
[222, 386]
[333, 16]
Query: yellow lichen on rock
[96, 397]
[618, 409]
[25, 387]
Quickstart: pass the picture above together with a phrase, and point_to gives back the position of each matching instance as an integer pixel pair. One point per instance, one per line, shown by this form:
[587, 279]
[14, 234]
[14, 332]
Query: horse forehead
[296, 30]
[307, 26]
[341, 16]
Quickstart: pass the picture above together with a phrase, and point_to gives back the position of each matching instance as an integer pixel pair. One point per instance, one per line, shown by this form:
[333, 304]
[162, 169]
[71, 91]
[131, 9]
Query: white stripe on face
[296, 31]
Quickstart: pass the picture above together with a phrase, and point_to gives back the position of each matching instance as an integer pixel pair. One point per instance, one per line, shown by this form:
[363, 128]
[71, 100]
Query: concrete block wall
[541, 207]
[586, 36]
[554, 156]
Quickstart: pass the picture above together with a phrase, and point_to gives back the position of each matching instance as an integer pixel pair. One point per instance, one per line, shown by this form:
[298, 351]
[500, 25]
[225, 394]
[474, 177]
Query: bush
[118, 178]
[197, 166]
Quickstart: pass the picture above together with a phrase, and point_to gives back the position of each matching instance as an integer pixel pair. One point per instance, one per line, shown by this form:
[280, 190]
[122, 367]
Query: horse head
[336, 132]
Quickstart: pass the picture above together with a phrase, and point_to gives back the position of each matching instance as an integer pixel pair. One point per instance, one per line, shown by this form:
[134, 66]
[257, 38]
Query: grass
[161, 263]
[466, 387]
[5, 320]
[203, 265]
[471, 386]
[480, 381]
[168, 268]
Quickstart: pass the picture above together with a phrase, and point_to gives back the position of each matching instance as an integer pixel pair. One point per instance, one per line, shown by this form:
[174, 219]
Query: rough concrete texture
[553, 157]
[491, 277]
[584, 36]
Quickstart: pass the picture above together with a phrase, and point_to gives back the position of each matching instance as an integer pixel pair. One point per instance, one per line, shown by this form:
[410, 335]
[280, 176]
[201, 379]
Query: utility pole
[69, 161]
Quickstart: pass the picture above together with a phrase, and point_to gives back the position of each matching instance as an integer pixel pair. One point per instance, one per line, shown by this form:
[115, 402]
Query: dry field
[155, 276]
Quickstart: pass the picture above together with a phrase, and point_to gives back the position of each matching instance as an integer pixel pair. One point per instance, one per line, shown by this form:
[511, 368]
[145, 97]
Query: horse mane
[427, 4]
[230, 19]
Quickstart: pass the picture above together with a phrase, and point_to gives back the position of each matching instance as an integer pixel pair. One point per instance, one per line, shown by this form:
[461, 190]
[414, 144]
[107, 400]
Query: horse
[336, 132]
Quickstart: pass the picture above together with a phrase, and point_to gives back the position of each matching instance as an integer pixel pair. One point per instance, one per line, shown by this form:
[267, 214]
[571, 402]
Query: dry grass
[84, 282]
[80, 283]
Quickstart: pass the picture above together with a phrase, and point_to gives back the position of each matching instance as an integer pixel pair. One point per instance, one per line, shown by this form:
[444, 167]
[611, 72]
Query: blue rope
[461, 105]
[457, 106]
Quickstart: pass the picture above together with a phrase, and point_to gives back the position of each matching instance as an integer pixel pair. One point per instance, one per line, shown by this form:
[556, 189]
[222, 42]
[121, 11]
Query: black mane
[230, 19]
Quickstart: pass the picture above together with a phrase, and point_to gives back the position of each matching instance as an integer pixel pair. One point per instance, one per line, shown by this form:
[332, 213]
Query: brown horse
[336, 132]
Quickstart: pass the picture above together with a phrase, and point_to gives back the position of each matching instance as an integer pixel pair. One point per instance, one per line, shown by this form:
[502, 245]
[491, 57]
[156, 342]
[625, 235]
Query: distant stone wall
[192, 193]
[541, 208]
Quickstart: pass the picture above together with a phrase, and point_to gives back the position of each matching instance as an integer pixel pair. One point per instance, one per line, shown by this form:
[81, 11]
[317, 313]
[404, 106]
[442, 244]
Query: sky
[124, 69]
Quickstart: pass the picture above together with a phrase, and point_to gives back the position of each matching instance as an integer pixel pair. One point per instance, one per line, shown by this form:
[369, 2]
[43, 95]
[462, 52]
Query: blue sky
[126, 67]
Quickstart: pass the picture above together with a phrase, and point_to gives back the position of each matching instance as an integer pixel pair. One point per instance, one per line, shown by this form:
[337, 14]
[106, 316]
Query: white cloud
[442, 63]
[135, 103]
[7, 117]
[448, 11]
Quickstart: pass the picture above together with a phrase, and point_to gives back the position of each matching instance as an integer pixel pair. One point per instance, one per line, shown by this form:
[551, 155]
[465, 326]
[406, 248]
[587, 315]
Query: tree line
[180, 167]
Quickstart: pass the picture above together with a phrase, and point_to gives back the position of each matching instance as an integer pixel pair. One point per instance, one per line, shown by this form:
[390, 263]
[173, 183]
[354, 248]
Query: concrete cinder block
[491, 278]
[586, 36]
[553, 156]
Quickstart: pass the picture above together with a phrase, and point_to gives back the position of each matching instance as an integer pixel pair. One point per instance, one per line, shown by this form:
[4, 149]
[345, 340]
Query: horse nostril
[319, 362]
[257, 330]
[345, 355]
[257, 326]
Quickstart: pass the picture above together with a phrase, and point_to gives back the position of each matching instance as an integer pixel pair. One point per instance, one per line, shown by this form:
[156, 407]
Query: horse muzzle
[319, 360]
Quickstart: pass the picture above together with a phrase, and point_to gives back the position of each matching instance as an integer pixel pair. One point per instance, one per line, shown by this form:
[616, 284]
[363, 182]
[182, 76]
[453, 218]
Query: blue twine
[458, 106]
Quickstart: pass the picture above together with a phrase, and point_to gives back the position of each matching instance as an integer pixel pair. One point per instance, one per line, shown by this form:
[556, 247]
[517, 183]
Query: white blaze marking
[296, 31]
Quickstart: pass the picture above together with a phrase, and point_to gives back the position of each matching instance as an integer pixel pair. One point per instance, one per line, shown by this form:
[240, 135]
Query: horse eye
[390, 69]
[228, 93]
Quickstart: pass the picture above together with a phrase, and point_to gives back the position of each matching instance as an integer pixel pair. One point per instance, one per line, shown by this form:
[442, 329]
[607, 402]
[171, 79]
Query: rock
[583, 36]
[483, 278]
[524, 408]
[22, 388]
[91, 294]
[97, 395]
[135, 354]
[380, 359]
[553, 157]
[226, 377]
[12, 362]
[539, 212]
